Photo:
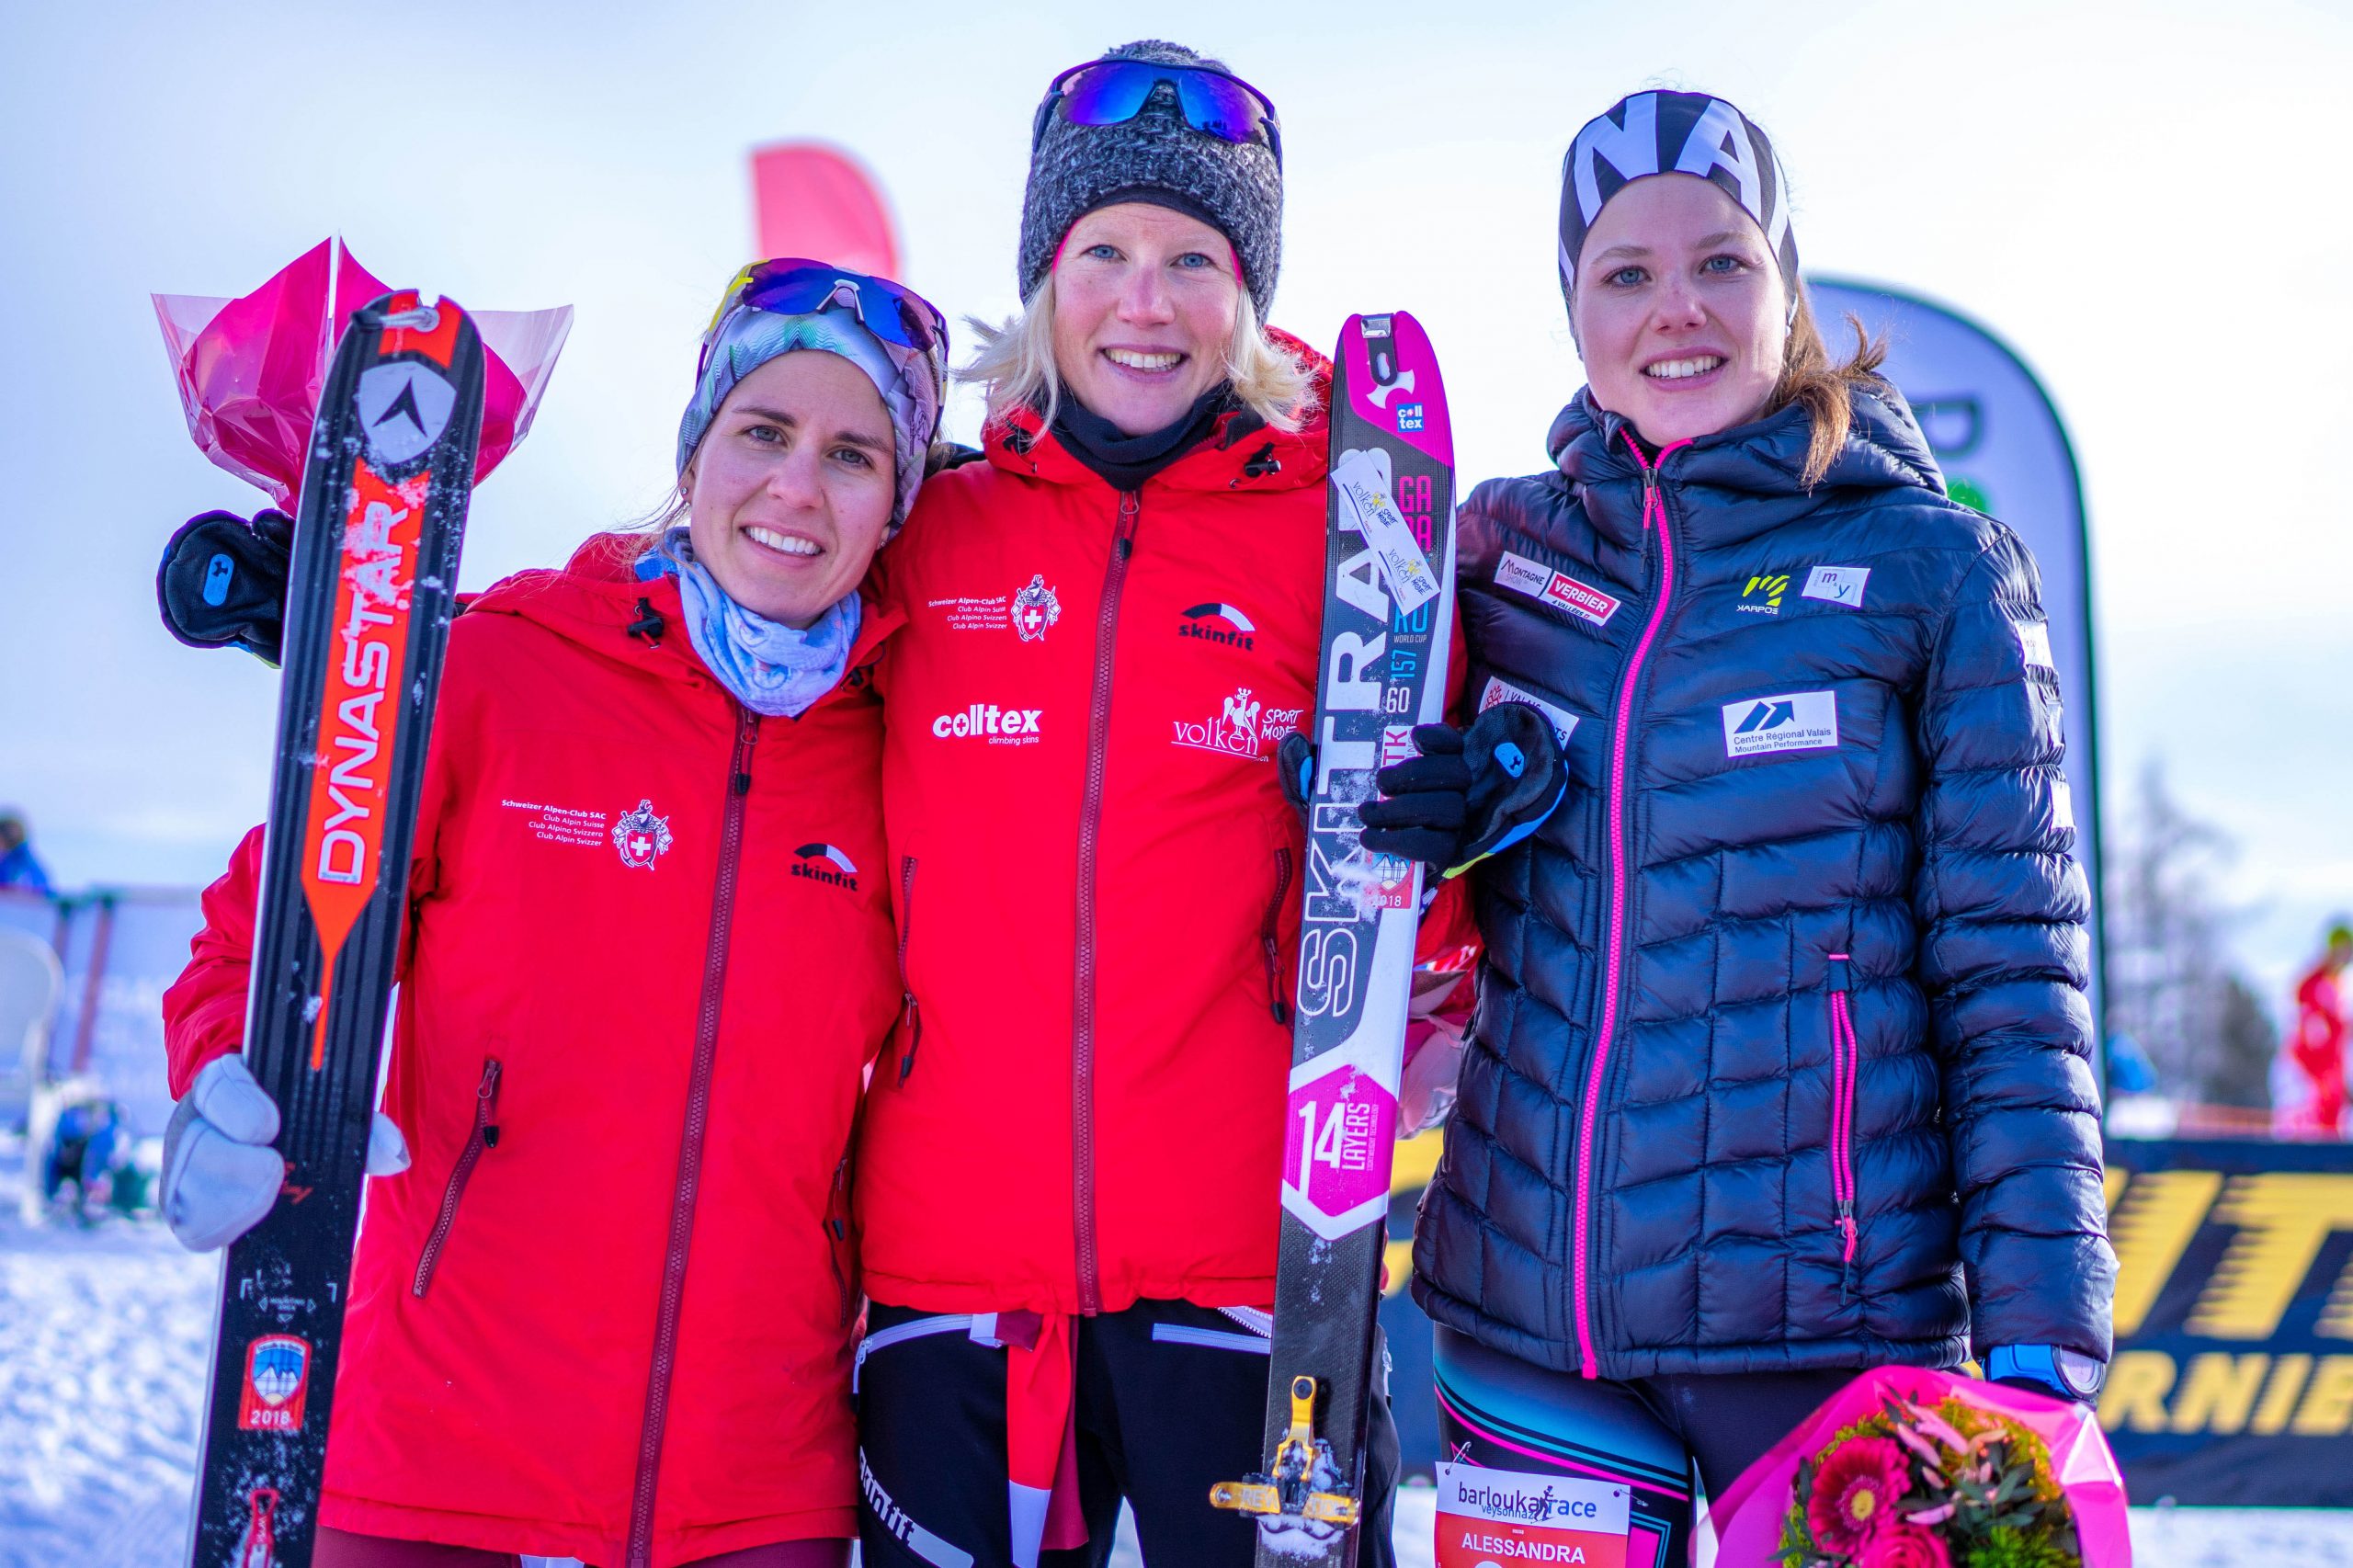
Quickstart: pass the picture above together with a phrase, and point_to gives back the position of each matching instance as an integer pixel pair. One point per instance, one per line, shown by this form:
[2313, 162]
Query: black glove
[1471, 793]
[223, 581]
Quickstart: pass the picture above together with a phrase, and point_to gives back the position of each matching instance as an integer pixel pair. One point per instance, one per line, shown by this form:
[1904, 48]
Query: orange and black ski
[371, 591]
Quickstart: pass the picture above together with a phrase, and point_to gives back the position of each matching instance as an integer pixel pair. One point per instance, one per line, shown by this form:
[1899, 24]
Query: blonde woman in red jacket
[652, 954]
[1069, 1177]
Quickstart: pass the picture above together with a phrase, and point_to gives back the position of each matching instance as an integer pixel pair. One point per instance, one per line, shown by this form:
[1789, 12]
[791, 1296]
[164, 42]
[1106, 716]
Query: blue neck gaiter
[773, 669]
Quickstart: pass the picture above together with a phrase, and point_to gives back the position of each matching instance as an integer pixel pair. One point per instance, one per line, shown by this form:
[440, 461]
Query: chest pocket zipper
[910, 1010]
[1266, 938]
[484, 1136]
[1845, 1053]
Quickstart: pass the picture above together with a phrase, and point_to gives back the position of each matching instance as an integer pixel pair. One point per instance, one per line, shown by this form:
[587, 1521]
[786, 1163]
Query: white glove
[220, 1175]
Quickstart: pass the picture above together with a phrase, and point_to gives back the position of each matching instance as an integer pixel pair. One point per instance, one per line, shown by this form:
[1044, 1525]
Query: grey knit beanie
[1235, 188]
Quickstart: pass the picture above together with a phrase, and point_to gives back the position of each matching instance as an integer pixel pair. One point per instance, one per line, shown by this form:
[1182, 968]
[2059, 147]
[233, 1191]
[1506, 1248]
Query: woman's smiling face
[793, 487]
[1679, 308]
[1145, 305]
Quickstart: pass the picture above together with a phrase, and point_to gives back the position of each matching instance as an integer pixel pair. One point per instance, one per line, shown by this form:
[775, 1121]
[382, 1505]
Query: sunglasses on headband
[794, 286]
[1110, 91]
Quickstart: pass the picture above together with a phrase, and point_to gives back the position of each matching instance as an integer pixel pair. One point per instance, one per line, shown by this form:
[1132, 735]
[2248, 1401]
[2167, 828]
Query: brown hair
[1826, 389]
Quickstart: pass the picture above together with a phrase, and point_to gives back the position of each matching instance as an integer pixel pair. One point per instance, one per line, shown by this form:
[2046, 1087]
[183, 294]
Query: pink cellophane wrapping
[1748, 1515]
[249, 370]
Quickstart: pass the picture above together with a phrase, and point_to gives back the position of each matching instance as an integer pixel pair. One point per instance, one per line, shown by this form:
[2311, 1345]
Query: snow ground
[104, 1336]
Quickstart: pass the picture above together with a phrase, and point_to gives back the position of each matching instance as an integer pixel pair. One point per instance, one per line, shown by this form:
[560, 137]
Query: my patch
[1794, 721]
[1838, 584]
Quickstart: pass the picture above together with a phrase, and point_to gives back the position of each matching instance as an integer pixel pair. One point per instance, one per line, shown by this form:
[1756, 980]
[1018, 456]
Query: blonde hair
[1015, 363]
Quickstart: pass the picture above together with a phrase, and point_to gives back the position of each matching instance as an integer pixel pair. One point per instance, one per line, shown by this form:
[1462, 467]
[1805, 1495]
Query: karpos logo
[1763, 595]
[1794, 721]
[825, 863]
[986, 721]
[1218, 623]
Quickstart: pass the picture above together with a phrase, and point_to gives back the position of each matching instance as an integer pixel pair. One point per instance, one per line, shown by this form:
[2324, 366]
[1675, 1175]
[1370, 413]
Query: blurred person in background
[650, 957]
[2308, 1081]
[1781, 1065]
[19, 868]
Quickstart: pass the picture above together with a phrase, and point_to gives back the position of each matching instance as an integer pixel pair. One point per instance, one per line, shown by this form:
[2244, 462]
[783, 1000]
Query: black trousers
[1171, 1398]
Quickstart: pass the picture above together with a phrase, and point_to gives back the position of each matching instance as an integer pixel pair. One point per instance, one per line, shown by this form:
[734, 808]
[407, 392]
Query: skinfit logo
[986, 721]
[825, 863]
[1221, 624]
[1794, 721]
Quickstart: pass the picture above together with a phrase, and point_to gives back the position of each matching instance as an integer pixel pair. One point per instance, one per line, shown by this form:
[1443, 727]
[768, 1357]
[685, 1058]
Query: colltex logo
[986, 721]
[1763, 595]
[641, 837]
[1795, 720]
[1558, 589]
[825, 863]
[1220, 624]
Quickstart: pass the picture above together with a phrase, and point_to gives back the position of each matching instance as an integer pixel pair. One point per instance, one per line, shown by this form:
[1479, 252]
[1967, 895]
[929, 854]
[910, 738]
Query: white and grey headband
[1666, 133]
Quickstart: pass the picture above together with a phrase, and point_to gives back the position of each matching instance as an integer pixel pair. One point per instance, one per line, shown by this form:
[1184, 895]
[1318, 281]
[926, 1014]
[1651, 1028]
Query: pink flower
[1902, 1545]
[1854, 1492]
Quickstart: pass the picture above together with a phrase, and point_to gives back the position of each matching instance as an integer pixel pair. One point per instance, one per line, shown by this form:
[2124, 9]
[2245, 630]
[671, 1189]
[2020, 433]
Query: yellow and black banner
[2232, 1379]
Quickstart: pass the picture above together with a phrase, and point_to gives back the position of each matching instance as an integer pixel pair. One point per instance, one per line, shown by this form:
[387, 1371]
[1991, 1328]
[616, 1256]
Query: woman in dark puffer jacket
[1783, 1060]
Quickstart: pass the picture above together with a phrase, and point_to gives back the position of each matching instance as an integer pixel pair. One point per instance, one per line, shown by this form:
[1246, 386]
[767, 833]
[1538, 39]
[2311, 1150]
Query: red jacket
[506, 1303]
[1097, 876]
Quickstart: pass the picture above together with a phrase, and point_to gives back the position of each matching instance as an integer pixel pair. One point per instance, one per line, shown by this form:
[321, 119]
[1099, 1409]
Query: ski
[1388, 611]
[370, 596]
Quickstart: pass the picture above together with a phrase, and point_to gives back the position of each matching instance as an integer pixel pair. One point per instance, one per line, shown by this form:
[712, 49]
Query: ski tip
[410, 325]
[1390, 376]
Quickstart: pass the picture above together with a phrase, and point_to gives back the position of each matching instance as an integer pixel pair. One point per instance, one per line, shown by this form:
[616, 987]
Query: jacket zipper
[682, 1207]
[1844, 1055]
[1267, 930]
[1090, 823]
[910, 1010]
[836, 1228]
[484, 1136]
[1654, 512]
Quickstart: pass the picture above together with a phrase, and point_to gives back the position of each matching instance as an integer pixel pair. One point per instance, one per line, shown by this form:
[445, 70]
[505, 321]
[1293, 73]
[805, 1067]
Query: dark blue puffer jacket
[1782, 1056]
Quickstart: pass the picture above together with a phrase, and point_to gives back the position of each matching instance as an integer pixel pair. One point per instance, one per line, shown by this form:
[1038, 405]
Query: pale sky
[2146, 201]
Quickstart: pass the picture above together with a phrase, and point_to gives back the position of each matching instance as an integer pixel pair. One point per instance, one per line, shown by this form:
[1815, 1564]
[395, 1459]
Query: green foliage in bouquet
[1952, 1486]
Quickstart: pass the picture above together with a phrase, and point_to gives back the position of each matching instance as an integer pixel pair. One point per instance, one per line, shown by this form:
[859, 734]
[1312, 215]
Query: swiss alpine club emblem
[641, 837]
[1034, 609]
[277, 1384]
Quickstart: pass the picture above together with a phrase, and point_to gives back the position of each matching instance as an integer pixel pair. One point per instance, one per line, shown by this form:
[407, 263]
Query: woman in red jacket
[1069, 1175]
[652, 952]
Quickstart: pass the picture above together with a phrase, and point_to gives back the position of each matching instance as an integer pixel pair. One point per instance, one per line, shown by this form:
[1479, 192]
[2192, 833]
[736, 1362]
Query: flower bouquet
[250, 368]
[1912, 1469]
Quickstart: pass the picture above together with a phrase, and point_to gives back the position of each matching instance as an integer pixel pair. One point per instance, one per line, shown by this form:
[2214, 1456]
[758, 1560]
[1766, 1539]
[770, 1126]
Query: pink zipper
[1090, 827]
[1845, 1054]
[640, 1552]
[1653, 508]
